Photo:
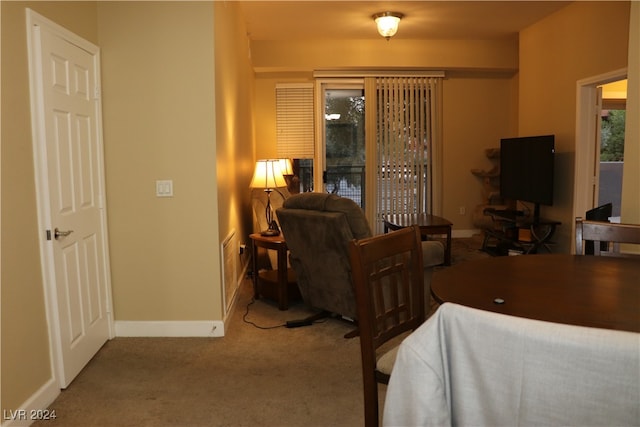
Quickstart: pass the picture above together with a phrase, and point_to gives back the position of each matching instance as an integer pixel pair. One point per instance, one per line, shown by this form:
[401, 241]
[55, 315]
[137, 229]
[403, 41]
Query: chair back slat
[598, 232]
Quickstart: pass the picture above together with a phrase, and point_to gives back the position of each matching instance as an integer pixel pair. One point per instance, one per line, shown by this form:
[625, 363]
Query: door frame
[36, 21]
[586, 140]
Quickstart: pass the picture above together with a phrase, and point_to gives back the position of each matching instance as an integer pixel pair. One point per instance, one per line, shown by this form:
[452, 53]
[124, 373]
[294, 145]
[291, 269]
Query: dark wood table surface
[594, 291]
[429, 224]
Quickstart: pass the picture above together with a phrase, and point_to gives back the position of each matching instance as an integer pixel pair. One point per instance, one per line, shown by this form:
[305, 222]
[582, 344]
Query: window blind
[294, 120]
[405, 121]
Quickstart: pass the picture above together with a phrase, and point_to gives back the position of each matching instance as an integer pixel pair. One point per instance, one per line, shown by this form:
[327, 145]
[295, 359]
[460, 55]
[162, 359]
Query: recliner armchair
[318, 228]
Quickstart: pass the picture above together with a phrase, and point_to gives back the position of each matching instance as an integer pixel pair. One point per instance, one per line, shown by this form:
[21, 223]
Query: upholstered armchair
[318, 228]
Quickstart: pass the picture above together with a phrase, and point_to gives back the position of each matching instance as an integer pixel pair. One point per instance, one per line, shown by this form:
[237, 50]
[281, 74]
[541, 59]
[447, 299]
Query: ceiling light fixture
[387, 23]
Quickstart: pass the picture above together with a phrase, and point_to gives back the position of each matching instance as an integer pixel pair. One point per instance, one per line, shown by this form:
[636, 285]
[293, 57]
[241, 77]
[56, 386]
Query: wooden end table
[282, 280]
[429, 224]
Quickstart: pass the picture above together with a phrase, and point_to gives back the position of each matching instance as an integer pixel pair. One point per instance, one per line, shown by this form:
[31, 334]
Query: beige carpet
[307, 376]
[251, 377]
[467, 249]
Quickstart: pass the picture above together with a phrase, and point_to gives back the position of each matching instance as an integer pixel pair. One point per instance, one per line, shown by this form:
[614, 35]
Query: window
[295, 130]
[294, 120]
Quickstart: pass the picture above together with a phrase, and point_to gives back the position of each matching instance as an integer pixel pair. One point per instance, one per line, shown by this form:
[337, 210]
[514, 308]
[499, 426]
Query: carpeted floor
[251, 377]
[467, 249]
[306, 376]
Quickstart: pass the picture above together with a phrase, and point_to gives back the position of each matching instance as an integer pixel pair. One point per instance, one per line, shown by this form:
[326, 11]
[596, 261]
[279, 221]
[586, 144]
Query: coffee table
[594, 291]
[429, 225]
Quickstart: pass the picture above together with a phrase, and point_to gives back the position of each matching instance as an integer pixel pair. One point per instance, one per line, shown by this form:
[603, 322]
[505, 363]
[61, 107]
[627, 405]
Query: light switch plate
[164, 188]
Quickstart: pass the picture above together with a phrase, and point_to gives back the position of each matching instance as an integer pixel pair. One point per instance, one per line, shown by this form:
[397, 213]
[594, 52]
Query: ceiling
[335, 19]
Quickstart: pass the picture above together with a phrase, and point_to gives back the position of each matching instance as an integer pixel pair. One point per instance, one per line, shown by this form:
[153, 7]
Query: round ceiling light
[387, 23]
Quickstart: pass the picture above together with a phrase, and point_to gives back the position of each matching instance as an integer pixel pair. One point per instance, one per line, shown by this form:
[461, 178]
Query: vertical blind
[405, 109]
[294, 120]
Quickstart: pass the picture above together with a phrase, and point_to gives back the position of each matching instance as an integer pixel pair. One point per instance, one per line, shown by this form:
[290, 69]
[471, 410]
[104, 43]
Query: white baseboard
[464, 233]
[177, 328]
[34, 408]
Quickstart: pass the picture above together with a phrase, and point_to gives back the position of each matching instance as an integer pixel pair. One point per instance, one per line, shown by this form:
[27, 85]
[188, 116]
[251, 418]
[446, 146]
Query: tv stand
[513, 231]
[536, 213]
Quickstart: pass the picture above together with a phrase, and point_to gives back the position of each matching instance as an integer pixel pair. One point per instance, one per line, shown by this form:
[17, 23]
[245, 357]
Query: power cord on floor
[246, 313]
[311, 320]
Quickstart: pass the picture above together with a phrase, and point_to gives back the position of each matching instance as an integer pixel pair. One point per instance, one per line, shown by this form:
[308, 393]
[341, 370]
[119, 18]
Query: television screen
[526, 169]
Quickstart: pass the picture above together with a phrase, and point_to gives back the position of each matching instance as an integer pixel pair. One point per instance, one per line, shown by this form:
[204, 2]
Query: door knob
[57, 233]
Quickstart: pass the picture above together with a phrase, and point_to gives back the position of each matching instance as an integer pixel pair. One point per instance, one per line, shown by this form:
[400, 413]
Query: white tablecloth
[468, 367]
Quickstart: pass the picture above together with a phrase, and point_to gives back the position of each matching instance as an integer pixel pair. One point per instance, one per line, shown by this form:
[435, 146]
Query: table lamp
[268, 175]
[286, 167]
[293, 182]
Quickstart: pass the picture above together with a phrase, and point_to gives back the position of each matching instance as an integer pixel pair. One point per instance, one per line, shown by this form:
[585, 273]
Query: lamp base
[270, 233]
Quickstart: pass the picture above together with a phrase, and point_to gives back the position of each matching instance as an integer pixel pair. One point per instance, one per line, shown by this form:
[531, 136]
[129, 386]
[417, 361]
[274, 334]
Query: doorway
[610, 153]
[66, 116]
[587, 142]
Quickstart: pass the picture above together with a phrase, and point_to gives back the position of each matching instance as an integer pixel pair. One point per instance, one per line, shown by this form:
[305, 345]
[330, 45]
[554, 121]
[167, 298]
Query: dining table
[593, 291]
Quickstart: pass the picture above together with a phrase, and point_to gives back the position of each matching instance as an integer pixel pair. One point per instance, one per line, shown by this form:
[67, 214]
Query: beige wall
[265, 109]
[478, 111]
[159, 123]
[234, 86]
[305, 55]
[25, 346]
[584, 39]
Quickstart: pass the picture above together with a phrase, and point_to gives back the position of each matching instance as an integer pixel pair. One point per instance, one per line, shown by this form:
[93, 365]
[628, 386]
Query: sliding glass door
[390, 164]
[342, 139]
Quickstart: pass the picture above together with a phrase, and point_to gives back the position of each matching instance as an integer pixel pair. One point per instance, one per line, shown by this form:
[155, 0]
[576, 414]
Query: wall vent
[230, 250]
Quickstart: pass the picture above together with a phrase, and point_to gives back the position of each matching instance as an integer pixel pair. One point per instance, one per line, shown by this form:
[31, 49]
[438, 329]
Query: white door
[69, 172]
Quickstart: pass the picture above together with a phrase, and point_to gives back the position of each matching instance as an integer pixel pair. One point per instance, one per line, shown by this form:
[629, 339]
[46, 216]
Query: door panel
[69, 149]
[69, 284]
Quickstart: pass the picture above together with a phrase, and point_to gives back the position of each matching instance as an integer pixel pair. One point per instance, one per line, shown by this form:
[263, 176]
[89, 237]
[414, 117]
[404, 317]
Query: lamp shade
[387, 23]
[286, 167]
[268, 175]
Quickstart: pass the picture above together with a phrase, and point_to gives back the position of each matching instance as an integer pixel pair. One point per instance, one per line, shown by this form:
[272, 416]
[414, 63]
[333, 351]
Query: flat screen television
[526, 170]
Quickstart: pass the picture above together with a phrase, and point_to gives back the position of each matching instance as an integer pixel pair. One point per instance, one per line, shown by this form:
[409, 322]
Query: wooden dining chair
[387, 273]
[598, 232]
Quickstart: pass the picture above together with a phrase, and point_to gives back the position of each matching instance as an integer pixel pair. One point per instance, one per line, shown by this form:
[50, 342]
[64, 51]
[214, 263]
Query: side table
[279, 284]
